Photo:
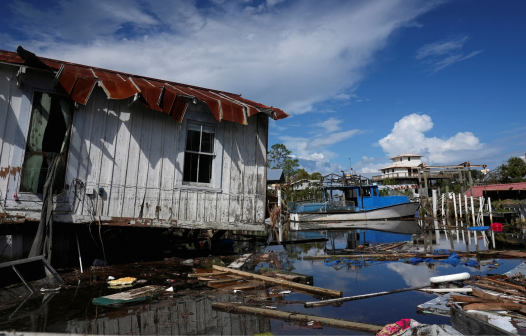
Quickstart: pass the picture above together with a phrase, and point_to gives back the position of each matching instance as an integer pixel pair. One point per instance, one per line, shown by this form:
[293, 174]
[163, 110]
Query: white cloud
[412, 277]
[331, 124]
[293, 57]
[313, 152]
[440, 55]
[407, 136]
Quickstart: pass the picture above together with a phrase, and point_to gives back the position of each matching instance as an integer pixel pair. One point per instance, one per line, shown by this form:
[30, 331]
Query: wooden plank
[467, 299]
[82, 174]
[223, 203]
[14, 134]
[197, 275]
[175, 204]
[144, 164]
[306, 279]
[492, 306]
[322, 303]
[307, 288]
[200, 213]
[155, 154]
[517, 254]
[169, 157]
[96, 145]
[183, 205]
[75, 148]
[121, 159]
[392, 246]
[7, 125]
[191, 206]
[261, 163]
[250, 174]
[522, 289]
[109, 146]
[132, 169]
[240, 261]
[288, 316]
[210, 208]
[236, 174]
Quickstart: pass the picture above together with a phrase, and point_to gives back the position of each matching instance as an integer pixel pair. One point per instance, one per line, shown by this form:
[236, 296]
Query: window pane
[190, 167]
[205, 168]
[207, 142]
[192, 140]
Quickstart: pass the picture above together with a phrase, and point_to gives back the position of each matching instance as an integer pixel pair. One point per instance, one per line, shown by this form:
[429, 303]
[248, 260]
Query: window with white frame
[199, 154]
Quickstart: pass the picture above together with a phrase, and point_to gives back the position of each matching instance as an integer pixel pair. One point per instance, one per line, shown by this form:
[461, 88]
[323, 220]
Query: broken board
[241, 261]
[305, 279]
[131, 296]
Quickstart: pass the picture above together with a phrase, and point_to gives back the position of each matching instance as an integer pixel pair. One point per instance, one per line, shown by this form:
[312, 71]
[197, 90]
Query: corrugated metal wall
[137, 156]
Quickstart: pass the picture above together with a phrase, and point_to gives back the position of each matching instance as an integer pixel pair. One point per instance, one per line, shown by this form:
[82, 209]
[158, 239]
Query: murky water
[188, 310]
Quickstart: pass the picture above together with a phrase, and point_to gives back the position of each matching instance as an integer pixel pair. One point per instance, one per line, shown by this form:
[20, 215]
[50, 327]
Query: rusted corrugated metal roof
[479, 190]
[77, 81]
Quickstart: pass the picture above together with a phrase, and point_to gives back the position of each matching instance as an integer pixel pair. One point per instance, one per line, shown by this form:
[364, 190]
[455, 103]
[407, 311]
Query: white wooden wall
[137, 156]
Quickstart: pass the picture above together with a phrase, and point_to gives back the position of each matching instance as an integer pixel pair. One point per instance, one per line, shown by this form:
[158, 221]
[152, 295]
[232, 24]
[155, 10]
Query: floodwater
[188, 310]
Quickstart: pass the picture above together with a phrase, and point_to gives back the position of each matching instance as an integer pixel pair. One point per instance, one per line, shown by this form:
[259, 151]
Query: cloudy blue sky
[364, 80]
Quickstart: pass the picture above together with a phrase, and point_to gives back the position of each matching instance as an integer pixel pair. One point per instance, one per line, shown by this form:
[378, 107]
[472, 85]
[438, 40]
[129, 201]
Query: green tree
[301, 174]
[512, 171]
[316, 176]
[279, 157]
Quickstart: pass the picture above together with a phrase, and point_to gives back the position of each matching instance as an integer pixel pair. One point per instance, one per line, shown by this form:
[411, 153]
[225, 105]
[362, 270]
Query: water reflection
[70, 310]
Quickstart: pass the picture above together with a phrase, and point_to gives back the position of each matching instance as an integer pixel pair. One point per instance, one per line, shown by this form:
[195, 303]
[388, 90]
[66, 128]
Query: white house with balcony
[405, 165]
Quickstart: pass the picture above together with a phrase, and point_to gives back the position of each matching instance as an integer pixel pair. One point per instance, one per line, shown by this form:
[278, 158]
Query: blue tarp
[453, 259]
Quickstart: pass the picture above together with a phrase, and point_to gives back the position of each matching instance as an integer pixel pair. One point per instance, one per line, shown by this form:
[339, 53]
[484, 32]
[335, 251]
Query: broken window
[49, 132]
[199, 153]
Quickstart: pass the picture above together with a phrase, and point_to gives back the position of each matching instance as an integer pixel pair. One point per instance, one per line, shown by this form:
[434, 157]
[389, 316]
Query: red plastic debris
[496, 227]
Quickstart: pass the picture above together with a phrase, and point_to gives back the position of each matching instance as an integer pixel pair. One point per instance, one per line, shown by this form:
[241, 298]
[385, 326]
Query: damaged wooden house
[126, 150]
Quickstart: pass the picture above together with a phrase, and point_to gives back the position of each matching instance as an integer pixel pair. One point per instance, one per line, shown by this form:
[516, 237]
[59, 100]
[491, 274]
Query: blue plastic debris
[478, 228]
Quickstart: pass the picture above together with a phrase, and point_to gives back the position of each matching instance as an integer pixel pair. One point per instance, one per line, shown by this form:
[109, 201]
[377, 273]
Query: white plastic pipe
[460, 204]
[450, 277]
[490, 211]
[443, 196]
[455, 206]
[472, 210]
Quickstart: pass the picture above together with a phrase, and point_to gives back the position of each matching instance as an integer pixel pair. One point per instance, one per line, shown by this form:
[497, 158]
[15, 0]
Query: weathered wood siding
[137, 156]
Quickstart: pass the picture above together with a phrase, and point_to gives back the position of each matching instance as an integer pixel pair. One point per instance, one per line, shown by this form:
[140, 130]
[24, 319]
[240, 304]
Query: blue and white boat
[353, 202]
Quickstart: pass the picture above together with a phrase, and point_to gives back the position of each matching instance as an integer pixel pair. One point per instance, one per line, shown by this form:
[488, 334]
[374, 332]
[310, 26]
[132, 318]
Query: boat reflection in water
[394, 226]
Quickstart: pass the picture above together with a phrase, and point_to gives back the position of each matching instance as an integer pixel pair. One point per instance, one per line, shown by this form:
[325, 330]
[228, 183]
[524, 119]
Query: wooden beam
[288, 316]
[322, 303]
[196, 275]
[306, 288]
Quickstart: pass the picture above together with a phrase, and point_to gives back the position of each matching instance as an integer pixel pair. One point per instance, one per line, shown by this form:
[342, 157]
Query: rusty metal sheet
[78, 81]
[53, 64]
[212, 102]
[82, 90]
[149, 93]
[280, 114]
[6, 56]
[238, 108]
[179, 109]
[115, 86]
[68, 78]
[168, 98]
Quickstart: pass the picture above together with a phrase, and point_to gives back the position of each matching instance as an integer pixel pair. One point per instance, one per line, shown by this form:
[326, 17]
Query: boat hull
[402, 210]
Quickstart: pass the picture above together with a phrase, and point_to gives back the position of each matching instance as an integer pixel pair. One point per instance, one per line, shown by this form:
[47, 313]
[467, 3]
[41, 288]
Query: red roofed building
[500, 191]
